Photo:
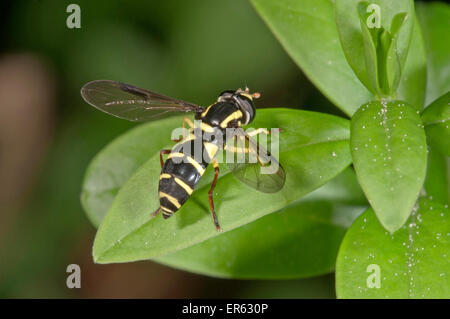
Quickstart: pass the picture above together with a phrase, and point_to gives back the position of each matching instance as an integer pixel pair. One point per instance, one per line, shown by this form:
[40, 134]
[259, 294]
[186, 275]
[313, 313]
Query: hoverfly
[178, 179]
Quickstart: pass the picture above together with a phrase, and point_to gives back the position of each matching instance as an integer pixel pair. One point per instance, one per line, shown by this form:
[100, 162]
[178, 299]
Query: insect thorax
[223, 115]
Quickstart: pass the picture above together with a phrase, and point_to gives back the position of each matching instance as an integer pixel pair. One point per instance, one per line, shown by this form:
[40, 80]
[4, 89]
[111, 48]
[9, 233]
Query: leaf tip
[393, 224]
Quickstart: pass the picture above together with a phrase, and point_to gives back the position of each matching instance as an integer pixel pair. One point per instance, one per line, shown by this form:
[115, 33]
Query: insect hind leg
[210, 195]
[166, 214]
[156, 212]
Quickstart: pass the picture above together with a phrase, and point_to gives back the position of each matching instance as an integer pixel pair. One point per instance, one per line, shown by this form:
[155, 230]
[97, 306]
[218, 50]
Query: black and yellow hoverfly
[178, 178]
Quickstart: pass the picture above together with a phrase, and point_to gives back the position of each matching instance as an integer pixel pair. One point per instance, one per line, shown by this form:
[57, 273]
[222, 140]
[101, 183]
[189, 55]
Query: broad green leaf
[313, 149]
[117, 162]
[307, 30]
[389, 154]
[349, 28]
[300, 240]
[412, 263]
[325, 214]
[436, 119]
[434, 19]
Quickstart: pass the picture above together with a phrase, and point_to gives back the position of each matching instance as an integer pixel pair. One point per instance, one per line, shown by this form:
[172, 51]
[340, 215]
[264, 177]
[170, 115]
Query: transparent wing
[253, 165]
[132, 103]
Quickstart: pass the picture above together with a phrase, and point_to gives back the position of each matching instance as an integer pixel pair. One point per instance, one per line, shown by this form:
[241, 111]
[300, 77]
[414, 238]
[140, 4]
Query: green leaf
[391, 57]
[117, 162]
[300, 240]
[412, 263]
[389, 154]
[352, 39]
[436, 119]
[307, 31]
[413, 80]
[325, 213]
[437, 181]
[370, 38]
[434, 19]
[314, 148]
[382, 62]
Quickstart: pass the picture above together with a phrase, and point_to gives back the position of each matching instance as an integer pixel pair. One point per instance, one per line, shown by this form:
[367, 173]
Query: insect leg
[247, 147]
[210, 194]
[254, 150]
[161, 154]
[238, 144]
[259, 131]
[235, 145]
[187, 121]
[236, 149]
[156, 212]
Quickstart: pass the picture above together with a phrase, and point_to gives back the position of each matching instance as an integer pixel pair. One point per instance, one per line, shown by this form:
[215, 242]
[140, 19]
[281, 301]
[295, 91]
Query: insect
[183, 168]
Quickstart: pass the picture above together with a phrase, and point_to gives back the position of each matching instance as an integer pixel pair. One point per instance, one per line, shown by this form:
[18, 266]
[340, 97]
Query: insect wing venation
[249, 159]
[132, 103]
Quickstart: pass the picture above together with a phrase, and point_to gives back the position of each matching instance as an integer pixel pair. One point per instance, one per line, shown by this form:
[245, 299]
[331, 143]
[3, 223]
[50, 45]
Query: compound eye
[246, 105]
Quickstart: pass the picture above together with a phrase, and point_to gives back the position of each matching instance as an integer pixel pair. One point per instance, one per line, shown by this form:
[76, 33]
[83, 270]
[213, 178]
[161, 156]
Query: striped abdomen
[182, 171]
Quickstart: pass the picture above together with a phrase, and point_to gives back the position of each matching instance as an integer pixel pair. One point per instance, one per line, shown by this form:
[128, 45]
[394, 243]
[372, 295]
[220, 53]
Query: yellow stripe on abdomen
[185, 186]
[171, 199]
[190, 160]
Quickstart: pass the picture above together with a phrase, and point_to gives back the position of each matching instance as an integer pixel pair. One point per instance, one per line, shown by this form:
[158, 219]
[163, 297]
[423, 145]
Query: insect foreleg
[161, 154]
[236, 149]
[258, 131]
[187, 121]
